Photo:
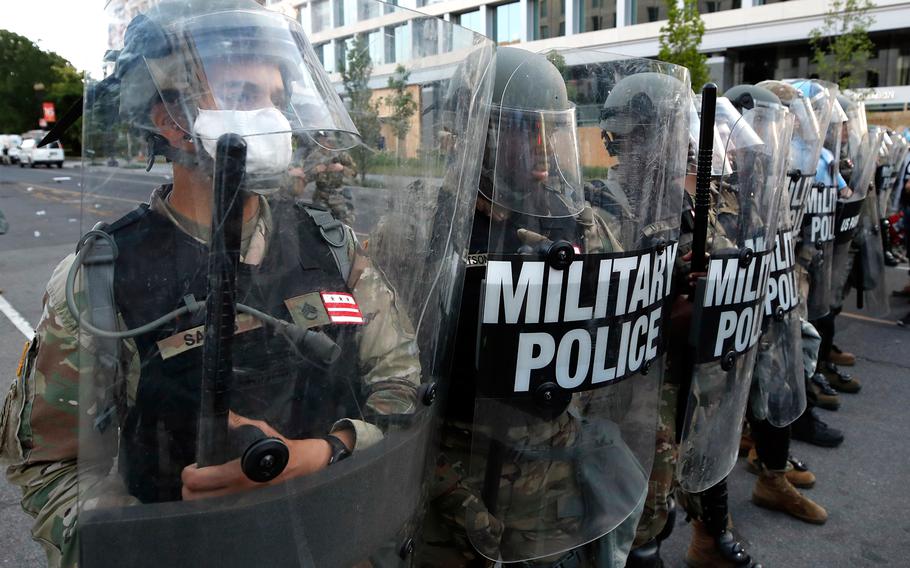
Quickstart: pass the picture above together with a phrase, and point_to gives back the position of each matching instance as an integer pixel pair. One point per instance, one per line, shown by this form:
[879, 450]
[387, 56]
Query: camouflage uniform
[662, 483]
[330, 191]
[456, 499]
[40, 417]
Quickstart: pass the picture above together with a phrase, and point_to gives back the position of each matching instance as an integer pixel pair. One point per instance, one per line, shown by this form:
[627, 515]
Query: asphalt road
[863, 484]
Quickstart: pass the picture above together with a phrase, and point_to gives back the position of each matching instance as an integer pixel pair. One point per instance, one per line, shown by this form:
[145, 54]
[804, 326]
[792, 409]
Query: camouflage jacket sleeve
[389, 361]
[350, 168]
[41, 420]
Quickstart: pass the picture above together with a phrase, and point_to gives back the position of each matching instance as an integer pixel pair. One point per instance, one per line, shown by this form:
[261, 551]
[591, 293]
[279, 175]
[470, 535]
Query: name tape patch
[195, 337]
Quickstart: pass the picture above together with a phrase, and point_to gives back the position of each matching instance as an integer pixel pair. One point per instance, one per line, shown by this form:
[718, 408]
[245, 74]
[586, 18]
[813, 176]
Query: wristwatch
[339, 450]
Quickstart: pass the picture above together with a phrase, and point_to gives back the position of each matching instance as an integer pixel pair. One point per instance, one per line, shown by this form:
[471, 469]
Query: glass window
[346, 12]
[644, 11]
[470, 20]
[367, 10]
[596, 15]
[426, 37]
[322, 16]
[507, 23]
[903, 70]
[549, 16]
[402, 43]
[708, 6]
[377, 53]
[341, 52]
[303, 16]
[389, 46]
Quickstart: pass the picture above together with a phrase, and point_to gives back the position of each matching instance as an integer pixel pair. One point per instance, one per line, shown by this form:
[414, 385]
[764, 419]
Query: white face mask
[266, 154]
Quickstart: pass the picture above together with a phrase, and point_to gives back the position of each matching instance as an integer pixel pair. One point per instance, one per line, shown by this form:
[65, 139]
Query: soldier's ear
[168, 128]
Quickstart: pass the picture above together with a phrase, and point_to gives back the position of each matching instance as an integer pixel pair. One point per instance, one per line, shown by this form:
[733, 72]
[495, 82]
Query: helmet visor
[246, 62]
[537, 170]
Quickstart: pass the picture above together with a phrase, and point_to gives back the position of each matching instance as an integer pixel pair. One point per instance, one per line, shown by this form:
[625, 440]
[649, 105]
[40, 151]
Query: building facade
[745, 40]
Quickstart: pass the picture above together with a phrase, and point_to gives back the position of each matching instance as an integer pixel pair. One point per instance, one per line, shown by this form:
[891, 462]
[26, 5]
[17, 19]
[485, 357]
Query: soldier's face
[247, 84]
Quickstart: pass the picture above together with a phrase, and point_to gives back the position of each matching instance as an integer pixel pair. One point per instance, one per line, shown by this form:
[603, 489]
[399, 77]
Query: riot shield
[729, 301]
[258, 378]
[805, 145]
[868, 272]
[864, 156]
[572, 297]
[816, 247]
[779, 378]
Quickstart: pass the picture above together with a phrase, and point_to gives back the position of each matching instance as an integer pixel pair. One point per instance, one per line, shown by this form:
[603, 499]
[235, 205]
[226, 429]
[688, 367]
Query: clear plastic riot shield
[868, 274]
[816, 247]
[256, 377]
[864, 157]
[572, 296]
[890, 194]
[779, 377]
[730, 300]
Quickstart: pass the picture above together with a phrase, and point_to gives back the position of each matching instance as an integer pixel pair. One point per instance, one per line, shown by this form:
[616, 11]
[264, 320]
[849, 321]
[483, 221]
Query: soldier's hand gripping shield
[730, 300]
[256, 378]
[573, 300]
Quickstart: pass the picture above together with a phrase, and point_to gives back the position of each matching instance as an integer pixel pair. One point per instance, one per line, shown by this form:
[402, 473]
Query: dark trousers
[772, 444]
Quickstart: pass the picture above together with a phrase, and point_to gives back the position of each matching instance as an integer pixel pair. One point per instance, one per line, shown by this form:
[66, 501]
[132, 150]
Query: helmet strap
[159, 146]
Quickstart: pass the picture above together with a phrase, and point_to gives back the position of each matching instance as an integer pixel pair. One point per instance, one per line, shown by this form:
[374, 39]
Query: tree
[403, 106]
[356, 78]
[841, 46]
[680, 38]
[559, 62]
[30, 76]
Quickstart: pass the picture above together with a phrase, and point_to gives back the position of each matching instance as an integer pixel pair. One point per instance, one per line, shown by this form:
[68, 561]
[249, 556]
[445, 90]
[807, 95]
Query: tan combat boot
[841, 358]
[705, 550]
[773, 491]
[798, 476]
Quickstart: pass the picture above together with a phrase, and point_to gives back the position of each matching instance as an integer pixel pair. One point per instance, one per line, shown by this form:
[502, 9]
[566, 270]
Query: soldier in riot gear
[523, 475]
[778, 389]
[156, 396]
[805, 147]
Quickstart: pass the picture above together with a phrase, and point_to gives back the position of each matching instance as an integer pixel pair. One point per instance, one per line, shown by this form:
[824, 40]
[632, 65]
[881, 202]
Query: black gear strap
[336, 235]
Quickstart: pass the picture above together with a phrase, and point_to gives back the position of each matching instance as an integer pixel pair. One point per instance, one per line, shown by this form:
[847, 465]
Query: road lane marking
[869, 319]
[16, 318]
[93, 196]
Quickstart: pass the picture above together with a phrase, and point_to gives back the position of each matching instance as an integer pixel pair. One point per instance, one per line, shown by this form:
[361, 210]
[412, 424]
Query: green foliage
[680, 38]
[23, 66]
[559, 62]
[356, 78]
[403, 106]
[841, 47]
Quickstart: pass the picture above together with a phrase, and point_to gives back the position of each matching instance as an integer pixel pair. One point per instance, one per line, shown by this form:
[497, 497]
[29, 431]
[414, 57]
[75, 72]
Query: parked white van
[31, 155]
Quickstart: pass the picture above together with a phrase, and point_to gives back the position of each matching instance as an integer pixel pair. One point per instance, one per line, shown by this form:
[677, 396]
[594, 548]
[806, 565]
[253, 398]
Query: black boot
[645, 556]
[811, 429]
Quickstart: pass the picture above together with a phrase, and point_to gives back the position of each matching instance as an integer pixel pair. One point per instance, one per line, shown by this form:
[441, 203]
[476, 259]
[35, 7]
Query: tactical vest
[157, 267]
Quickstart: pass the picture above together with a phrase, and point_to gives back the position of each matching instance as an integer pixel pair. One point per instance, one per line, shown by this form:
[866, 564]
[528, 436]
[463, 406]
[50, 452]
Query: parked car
[31, 155]
[9, 148]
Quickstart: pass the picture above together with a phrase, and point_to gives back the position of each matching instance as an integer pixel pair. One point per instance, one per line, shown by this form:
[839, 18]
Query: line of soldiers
[530, 360]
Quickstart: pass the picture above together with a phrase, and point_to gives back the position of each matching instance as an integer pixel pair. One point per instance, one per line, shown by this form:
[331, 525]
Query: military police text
[627, 295]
